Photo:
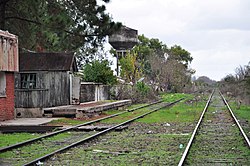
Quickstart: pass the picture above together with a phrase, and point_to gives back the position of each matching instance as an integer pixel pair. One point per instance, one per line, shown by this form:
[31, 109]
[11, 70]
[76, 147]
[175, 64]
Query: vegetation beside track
[179, 113]
[10, 139]
[242, 112]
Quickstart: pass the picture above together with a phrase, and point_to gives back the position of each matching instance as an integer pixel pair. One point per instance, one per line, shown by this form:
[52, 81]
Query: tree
[163, 67]
[130, 68]
[180, 54]
[100, 72]
[58, 25]
[238, 85]
[148, 48]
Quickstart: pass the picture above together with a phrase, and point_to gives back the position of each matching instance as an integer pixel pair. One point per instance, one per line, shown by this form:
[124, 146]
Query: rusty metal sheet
[8, 52]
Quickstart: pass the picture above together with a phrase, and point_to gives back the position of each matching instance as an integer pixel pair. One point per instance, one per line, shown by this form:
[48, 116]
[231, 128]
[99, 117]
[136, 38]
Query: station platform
[32, 116]
[27, 121]
[84, 109]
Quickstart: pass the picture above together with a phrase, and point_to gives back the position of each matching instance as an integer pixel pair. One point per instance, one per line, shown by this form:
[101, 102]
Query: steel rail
[7, 148]
[194, 132]
[236, 120]
[96, 135]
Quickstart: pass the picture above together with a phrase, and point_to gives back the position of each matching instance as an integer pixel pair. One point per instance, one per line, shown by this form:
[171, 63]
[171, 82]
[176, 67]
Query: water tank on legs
[124, 39]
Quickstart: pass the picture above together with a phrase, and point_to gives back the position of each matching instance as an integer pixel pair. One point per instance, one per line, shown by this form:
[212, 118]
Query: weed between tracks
[141, 144]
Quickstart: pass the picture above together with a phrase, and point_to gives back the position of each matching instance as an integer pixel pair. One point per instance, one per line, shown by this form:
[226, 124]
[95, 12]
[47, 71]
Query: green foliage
[147, 47]
[142, 88]
[99, 72]
[58, 25]
[180, 54]
[130, 68]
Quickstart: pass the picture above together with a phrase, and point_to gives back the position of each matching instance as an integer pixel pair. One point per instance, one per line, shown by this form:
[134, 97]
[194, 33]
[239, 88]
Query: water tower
[123, 41]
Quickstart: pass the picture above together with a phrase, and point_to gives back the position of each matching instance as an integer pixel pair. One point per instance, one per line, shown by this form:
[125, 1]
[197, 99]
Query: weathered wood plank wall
[52, 89]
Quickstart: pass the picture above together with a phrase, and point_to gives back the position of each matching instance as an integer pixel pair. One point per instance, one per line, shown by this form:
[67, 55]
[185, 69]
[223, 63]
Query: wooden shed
[45, 80]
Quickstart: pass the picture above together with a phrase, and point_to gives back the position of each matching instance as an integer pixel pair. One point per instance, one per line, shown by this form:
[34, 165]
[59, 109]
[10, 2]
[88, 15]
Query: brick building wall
[7, 103]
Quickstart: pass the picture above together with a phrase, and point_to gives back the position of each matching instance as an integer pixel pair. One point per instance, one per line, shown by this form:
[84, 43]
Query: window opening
[28, 80]
[2, 84]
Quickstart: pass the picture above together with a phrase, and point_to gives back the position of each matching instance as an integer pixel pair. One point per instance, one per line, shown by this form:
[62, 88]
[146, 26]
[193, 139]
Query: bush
[140, 93]
[142, 88]
[99, 72]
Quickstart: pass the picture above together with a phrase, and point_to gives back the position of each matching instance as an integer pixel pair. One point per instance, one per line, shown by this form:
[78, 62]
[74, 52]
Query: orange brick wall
[7, 103]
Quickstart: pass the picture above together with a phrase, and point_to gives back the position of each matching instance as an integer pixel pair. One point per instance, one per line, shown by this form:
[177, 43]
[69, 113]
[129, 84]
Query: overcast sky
[215, 32]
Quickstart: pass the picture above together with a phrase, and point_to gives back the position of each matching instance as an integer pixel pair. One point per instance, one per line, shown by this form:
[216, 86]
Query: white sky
[215, 32]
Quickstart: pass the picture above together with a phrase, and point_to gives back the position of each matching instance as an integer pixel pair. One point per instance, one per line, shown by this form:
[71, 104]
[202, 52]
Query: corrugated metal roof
[47, 62]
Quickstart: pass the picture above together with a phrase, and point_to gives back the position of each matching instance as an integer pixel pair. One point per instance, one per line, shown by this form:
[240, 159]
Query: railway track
[18, 145]
[70, 138]
[218, 138]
